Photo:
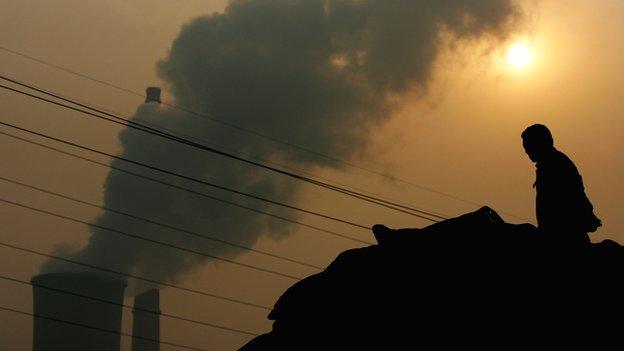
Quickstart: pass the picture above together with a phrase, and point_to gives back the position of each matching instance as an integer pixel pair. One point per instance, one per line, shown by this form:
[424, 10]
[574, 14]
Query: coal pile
[470, 281]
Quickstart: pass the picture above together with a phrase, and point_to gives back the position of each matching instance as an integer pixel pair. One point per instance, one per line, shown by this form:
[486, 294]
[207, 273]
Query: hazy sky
[460, 136]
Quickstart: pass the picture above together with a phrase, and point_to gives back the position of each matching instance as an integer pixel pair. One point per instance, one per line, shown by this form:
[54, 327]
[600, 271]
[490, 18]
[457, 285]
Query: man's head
[537, 141]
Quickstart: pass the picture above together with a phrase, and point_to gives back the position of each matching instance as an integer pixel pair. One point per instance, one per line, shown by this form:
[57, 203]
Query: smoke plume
[317, 73]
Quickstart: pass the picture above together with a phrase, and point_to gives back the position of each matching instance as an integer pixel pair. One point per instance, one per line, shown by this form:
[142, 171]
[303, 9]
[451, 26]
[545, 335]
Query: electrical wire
[35, 315]
[187, 177]
[153, 241]
[158, 223]
[152, 125]
[138, 175]
[251, 132]
[137, 277]
[134, 125]
[135, 308]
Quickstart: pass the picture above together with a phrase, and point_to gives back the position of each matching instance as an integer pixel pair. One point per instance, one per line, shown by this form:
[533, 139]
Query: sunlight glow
[519, 55]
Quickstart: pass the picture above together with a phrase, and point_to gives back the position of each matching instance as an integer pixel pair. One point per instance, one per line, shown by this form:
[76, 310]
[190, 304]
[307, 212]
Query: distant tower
[100, 314]
[152, 94]
[146, 324]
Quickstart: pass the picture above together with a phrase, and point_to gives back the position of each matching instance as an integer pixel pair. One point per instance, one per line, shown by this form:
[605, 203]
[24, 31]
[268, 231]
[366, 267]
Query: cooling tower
[146, 323]
[152, 94]
[49, 335]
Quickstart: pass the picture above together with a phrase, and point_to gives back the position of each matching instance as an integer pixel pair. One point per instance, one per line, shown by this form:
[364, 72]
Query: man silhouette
[563, 211]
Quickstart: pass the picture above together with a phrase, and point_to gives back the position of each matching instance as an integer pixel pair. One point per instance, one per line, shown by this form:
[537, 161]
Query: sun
[519, 55]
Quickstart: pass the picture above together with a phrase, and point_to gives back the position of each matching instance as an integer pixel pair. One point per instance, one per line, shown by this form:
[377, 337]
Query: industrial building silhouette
[94, 301]
[99, 311]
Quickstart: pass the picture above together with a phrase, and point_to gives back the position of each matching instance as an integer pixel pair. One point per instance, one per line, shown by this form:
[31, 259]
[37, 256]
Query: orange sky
[461, 138]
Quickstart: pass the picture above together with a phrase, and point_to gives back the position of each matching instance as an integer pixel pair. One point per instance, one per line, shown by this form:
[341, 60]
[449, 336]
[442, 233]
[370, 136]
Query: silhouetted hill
[472, 281]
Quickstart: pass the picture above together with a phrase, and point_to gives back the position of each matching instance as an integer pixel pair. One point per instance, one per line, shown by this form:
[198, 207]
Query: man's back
[562, 208]
[561, 203]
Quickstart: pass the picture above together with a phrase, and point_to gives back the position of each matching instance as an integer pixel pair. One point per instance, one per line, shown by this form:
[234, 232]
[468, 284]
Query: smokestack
[51, 335]
[146, 321]
[152, 94]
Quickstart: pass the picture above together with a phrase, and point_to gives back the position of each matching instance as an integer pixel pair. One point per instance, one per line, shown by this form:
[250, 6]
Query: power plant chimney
[146, 321]
[152, 94]
[50, 335]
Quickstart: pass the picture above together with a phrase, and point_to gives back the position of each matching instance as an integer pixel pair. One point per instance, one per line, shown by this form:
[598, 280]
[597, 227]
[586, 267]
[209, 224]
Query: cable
[108, 209]
[100, 329]
[164, 314]
[322, 230]
[149, 130]
[187, 177]
[251, 132]
[133, 276]
[139, 237]
[60, 68]
[154, 126]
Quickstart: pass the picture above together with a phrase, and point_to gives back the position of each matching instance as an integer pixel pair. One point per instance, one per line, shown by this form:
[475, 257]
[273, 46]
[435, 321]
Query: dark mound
[473, 280]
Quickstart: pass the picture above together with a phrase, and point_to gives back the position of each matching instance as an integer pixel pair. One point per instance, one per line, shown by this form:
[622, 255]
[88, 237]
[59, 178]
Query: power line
[152, 125]
[138, 175]
[131, 124]
[158, 133]
[139, 237]
[251, 132]
[168, 136]
[164, 314]
[100, 329]
[61, 68]
[164, 225]
[137, 277]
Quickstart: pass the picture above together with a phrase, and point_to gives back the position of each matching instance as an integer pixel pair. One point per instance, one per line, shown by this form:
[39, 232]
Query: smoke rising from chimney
[311, 72]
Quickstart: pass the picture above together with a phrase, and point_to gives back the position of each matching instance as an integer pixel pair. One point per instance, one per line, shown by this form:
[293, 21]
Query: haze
[459, 135]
